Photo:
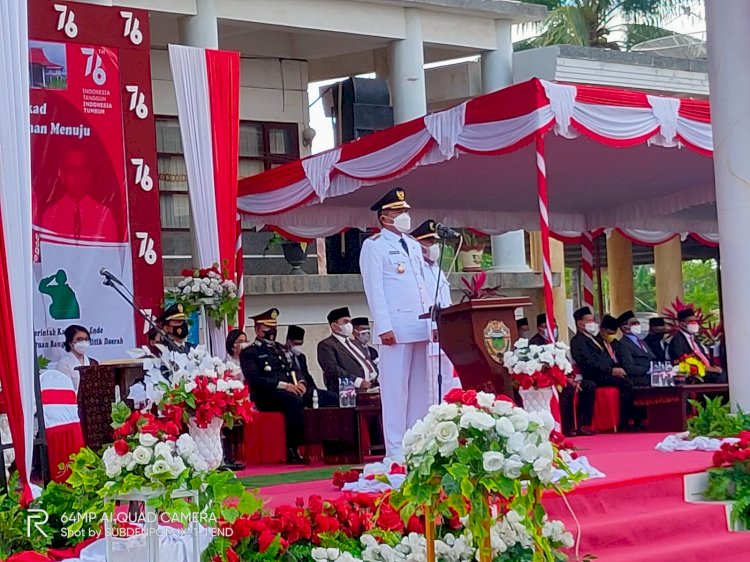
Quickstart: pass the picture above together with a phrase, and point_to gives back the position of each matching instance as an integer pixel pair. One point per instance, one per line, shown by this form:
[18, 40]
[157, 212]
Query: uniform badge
[400, 268]
[267, 368]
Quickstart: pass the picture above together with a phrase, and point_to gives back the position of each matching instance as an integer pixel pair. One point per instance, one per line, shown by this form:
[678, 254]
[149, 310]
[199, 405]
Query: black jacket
[679, 346]
[538, 340]
[635, 360]
[591, 357]
[337, 361]
[264, 366]
[299, 363]
[655, 343]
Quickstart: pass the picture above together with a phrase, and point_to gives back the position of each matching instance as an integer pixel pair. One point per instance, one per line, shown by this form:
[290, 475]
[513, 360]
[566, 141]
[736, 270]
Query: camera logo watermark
[35, 519]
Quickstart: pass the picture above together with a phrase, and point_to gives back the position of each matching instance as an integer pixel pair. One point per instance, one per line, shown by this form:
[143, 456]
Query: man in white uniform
[427, 236]
[393, 274]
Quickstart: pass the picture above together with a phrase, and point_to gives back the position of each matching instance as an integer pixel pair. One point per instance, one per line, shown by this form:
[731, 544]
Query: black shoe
[585, 432]
[293, 457]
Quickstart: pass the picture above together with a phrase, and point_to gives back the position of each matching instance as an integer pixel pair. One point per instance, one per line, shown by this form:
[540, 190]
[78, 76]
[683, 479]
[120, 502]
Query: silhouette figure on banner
[64, 302]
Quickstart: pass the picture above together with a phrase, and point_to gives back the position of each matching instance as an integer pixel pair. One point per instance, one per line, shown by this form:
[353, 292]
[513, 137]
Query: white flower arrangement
[538, 366]
[207, 288]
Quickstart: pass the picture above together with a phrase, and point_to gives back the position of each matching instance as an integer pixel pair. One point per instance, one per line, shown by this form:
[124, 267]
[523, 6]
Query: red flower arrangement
[137, 422]
[550, 376]
[345, 477]
[732, 453]
[469, 397]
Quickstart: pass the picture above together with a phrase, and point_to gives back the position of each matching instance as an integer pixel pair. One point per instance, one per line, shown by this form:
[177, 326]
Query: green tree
[589, 23]
[701, 284]
[644, 288]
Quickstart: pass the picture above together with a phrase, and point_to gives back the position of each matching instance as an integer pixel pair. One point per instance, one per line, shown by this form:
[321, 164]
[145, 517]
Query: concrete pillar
[202, 29]
[407, 71]
[668, 265]
[620, 270]
[497, 65]
[729, 79]
[557, 262]
[508, 250]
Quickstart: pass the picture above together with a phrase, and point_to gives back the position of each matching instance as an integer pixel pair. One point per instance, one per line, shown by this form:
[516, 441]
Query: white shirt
[68, 363]
[234, 366]
[395, 286]
[348, 344]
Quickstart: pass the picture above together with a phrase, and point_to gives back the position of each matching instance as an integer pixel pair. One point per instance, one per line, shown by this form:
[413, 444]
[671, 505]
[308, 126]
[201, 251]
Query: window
[262, 146]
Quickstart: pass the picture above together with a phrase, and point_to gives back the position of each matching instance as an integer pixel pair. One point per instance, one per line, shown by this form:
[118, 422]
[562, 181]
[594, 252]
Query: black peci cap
[338, 314]
[581, 312]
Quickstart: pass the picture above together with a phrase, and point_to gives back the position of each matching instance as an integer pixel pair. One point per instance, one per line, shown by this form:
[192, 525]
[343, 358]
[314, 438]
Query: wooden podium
[96, 393]
[475, 334]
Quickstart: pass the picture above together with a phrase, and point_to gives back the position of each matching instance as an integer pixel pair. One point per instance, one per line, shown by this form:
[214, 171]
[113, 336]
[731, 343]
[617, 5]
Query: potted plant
[472, 251]
[475, 288]
[295, 253]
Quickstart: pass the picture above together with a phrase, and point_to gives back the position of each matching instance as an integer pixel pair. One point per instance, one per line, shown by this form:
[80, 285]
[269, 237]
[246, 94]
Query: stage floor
[636, 512]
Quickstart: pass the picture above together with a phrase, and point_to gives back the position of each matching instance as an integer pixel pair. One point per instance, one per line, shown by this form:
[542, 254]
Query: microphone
[446, 232]
[110, 278]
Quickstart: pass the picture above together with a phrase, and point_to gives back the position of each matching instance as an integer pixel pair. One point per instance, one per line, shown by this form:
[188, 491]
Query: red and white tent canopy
[618, 158]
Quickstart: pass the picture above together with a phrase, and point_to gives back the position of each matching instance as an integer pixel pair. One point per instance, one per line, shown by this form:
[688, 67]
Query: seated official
[632, 353]
[685, 342]
[597, 361]
[295, 339]
[174, 322]
[274, 386]
[363, 336]
[657, 330]
[235, 343]
[340, 357]
[77, 342]
[574, 420]
[522, 325]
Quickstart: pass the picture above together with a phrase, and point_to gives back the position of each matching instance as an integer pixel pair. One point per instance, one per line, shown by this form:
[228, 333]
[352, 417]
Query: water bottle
[315, 403]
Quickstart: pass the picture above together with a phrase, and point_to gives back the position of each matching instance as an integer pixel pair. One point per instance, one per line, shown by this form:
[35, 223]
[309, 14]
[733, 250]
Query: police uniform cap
[173, 312]
[428, 229]
[394, 199]
[267, 318]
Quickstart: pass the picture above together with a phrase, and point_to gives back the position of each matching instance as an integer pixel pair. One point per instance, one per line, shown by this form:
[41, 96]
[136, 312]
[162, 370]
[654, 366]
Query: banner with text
[95, 205]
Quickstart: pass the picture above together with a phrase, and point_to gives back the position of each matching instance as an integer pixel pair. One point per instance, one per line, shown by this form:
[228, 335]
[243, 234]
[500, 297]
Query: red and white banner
[95, 193]
[207, 84]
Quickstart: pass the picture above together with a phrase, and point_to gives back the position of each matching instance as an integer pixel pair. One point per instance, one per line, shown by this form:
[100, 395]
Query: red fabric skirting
[62, 442]
[265, 439]
[606, 409]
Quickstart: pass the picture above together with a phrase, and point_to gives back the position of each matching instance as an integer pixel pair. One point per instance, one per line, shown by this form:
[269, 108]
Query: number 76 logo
[94, 66]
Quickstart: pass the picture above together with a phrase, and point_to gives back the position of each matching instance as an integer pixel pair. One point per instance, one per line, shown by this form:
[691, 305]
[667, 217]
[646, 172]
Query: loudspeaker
[365, 106]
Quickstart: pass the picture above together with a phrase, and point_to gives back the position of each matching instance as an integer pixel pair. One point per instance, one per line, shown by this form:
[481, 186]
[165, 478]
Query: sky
[692, 25]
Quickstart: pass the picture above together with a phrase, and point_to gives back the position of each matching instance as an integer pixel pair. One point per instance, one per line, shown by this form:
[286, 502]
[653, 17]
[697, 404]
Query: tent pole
[599, 284]
[541, 176]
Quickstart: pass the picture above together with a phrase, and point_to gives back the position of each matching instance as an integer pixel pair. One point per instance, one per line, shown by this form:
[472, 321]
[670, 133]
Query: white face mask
[592, 328]
[296, 349]
[402, 223]
[345, 330]
[244, 345]
[81, 347]
[693, 328]
[432, 253]
[636, 330]
[363, 336]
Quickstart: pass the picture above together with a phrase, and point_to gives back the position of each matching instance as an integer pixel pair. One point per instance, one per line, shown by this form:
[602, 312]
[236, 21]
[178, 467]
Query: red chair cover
[265, 439]
[63, 441]
[606, 409]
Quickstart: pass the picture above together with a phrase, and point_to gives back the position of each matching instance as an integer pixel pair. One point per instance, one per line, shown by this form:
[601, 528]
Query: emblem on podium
[496, 339]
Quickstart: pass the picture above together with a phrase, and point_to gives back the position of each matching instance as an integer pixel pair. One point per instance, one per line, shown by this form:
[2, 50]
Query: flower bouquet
[483, 457]
[209, 288]
[690, 369]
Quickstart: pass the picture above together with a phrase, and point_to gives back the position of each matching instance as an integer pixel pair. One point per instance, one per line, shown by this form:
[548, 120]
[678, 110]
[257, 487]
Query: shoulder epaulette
[374, 236]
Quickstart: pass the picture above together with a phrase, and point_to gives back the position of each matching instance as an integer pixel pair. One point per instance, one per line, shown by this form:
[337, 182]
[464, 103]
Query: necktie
[404, 246]
[610, 351]
[77, 222]
[359, 354]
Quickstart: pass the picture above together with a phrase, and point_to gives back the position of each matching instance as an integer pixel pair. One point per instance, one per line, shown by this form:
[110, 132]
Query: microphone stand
[435, 317]
[120, 290]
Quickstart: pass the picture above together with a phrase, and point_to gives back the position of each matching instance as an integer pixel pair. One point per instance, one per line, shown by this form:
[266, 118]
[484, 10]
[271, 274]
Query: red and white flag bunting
[207, 85]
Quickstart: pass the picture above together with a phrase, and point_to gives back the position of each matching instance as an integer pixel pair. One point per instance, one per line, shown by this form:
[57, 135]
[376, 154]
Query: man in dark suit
[340, 358]
[657, 329]
[632, 353]
[685, 342]
[522, 326]
[541, 336]
[274, 384]
[295, 339]
[597, 361]
[363, 337]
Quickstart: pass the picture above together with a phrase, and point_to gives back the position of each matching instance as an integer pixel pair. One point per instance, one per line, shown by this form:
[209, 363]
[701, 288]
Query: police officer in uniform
[174, 322]
[427, 236]
[274, 384]
[393, 274]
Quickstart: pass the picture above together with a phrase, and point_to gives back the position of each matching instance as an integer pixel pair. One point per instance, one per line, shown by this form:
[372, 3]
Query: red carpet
[637, 513]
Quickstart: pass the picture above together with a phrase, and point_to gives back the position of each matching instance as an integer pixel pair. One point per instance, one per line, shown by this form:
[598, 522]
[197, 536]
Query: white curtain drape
[15, 198]
[194, 113]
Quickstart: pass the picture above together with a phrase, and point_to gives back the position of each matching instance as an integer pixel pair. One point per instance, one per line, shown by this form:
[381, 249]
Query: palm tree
[590, 23]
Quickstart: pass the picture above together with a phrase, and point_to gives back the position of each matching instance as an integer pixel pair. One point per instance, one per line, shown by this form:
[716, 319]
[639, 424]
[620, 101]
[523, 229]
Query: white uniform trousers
[404, 391]
[436, 358]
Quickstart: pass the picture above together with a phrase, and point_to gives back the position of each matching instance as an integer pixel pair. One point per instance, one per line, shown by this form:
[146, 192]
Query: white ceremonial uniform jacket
[395, 286]
[434, 275]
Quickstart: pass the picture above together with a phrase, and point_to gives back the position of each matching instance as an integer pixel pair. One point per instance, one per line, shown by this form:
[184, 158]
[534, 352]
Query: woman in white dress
[236, 343]
[77, 342]
[233, 438]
